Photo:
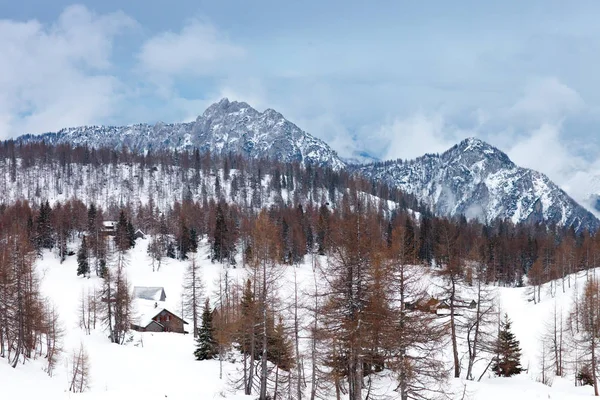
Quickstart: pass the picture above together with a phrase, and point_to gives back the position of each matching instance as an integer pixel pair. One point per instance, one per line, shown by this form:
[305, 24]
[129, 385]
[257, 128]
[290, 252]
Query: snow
[161, 365]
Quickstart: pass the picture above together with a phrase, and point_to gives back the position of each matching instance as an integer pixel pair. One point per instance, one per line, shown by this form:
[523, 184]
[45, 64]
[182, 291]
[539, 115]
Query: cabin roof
[149, 293]
[148, 309]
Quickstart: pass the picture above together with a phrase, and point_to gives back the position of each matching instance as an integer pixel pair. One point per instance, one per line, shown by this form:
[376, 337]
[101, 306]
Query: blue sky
[393, 78]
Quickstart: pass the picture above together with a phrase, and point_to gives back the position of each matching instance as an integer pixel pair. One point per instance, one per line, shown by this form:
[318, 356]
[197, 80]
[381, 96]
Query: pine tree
[206, 345]
[83, 266]
[44, 237]
[193, 240]
[122, 239]
[183, 241]
[508, 358]
[130, 234]
[221, 248]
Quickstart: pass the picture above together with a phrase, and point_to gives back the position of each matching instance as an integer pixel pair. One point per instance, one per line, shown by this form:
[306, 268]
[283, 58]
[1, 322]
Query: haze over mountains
[472, 178]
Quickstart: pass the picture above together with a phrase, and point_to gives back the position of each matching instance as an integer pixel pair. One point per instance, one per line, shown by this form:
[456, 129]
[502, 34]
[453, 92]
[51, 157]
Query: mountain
[225, 127]
[477, 180]
[472, 178]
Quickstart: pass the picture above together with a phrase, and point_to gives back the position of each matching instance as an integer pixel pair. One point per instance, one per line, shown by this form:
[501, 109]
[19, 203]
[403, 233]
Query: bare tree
[116, 298]
[587, 339]
[80, 371]
[418, 339]
[193, 292]
[264, 261]
[54, 334]
[478, 323]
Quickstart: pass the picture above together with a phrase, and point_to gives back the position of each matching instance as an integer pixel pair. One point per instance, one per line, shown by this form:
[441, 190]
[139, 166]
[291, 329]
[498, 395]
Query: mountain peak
[473, 150]
[225, 127]
[476, 145]
[475, 179]
[225, 106]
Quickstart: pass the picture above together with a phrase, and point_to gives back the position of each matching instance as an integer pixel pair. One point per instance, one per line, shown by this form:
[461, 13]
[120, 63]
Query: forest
[369, 246]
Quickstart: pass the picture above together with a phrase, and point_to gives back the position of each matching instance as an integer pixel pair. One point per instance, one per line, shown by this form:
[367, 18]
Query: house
[439, 307]
[444, 306]
[149, 293]
[139, 234]
[154, 318]
[429, 305]
[109, 228]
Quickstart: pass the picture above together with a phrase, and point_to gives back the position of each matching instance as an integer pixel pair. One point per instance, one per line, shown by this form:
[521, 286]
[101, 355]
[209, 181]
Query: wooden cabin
[163, 320]
[109, 228]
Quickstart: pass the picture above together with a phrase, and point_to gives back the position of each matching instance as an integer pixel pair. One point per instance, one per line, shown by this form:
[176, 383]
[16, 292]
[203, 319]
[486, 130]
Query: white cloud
[194, 51]
[57, 75]
[543, 150]
[546, 99]
[416, 135]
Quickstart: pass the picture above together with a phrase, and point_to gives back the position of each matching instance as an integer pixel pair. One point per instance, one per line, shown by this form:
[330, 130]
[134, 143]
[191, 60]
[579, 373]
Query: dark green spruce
[206, 345]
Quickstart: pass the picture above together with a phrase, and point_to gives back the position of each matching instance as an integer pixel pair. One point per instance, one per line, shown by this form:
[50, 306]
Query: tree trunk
[264, 366]
[296, 341]
[453, 332]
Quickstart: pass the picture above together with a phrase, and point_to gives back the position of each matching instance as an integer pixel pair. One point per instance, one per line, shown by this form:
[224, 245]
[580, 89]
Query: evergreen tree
[130, 234]
[170, 250]
[91, 222]
[184, 241]
[206, 345]
[83, 265]
[122, 239]
[44, 236]
[221, 237]
[193, 240]
[508, 357]
[280, 348]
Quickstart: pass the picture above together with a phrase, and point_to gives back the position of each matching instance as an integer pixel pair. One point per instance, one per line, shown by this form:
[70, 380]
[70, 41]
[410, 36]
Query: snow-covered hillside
[161, 365]
[472, 178]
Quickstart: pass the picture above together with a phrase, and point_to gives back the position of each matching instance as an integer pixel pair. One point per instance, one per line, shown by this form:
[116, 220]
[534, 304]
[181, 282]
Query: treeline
[109, 178]
[542, 253]
[181, 197]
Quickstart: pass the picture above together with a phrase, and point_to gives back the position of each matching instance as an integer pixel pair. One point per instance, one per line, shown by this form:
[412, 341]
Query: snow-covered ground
[161, 365]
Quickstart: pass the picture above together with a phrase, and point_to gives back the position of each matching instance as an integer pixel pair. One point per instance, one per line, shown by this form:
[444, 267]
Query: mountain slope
[472, 178]
[479, 181]
[225, 127]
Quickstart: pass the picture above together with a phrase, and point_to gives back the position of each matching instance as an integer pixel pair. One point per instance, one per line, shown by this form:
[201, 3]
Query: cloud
[416, 135]
[198, 49]
[58, 74]
[546, 99]
[544, 150]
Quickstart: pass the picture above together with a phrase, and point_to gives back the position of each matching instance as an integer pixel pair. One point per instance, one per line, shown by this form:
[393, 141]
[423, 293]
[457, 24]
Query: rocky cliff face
[472, 178]
[479, 181]
[226, 126]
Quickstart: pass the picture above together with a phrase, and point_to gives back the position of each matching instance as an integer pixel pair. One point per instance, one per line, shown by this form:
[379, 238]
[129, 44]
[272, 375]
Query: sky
[393, 79]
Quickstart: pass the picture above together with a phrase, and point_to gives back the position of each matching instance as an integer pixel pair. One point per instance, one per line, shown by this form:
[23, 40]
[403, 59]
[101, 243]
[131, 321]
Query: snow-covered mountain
[478, 180]
[472, 178]
[225, 127]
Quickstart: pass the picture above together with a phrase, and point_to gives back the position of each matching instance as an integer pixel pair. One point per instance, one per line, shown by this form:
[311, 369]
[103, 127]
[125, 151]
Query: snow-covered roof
[109, 224]
[145, 310]
[149, 293]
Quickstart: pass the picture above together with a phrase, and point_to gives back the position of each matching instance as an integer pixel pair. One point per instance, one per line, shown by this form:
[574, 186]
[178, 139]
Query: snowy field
[161, 365]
